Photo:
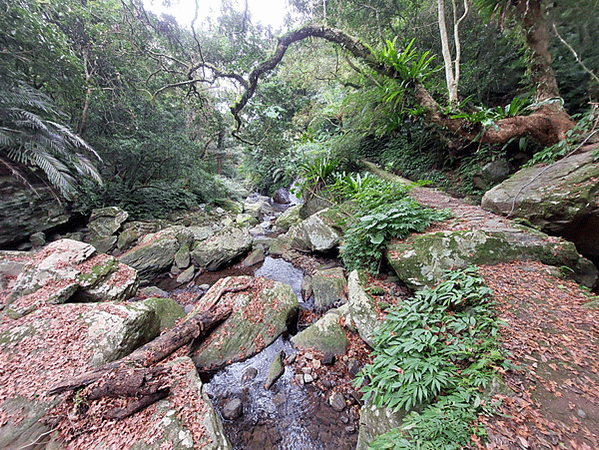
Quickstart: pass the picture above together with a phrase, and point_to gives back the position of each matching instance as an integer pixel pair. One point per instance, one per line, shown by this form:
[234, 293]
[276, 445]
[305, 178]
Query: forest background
[113, 105]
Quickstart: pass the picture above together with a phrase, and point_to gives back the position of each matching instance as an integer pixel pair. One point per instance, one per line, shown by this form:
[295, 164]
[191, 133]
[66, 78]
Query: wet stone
[328, 359]
[249, 375]
[232, 409]
[337, 401]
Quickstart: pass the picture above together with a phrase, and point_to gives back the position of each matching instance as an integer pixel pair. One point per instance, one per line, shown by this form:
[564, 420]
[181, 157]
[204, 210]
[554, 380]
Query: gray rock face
[24, 212]
[275, 370]
[260, 314]
[66, 268]
[220, 249]
[375, 421]
[105, 222]
[362, 309]
[560, 199]
[325, 335]
[328, 287]
[491, 173]
[115, 330]
[155, 253]
[420, 260]
[321, 237]
[290, 217]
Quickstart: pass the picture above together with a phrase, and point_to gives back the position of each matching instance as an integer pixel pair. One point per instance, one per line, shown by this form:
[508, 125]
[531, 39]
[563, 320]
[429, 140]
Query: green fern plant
[30, 137]
[436, 351]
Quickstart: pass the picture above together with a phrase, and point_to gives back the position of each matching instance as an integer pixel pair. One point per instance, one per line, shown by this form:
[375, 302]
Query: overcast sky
[268, 12]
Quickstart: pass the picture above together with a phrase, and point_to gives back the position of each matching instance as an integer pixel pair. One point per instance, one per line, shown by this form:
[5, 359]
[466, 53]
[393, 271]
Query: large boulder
[105, 222]
[222, 248]
[261, 313]
[362, 309]
[290, 217]
[375, 421]
[70, 270]
[421, 259]
[560, 199]
[24, 211]
[328, 287]
[56, 342]
[156, 252]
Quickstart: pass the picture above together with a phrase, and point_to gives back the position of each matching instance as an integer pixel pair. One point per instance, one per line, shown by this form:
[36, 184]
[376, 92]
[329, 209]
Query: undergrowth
[434, 355]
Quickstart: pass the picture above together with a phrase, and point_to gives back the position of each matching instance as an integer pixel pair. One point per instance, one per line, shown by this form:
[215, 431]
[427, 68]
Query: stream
[290, 415]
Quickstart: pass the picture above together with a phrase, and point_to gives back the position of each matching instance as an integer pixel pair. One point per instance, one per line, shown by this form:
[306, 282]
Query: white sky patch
[267, 12]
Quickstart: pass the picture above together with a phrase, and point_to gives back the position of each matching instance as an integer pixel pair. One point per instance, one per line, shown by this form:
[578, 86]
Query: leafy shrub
[437, 350]
[364, 240]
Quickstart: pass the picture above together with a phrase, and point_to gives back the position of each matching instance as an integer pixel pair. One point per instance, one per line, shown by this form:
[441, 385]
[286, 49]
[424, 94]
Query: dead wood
[151, 353]
[136, 405]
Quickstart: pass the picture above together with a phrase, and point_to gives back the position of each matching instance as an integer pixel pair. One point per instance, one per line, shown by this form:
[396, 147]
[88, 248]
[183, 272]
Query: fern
[29, 137]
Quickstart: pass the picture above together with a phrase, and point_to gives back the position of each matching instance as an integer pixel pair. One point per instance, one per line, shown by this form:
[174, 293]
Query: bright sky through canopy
[269, 12]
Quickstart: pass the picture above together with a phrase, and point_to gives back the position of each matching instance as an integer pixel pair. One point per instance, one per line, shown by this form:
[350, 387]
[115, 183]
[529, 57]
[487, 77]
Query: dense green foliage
[433, 355]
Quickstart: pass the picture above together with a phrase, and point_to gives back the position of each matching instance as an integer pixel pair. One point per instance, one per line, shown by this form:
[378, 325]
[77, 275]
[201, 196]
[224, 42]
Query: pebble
[308, 355]
[316, 364]
[308, 378]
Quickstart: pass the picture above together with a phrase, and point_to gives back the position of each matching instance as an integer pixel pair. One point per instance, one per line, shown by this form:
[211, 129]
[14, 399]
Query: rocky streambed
[65, 312]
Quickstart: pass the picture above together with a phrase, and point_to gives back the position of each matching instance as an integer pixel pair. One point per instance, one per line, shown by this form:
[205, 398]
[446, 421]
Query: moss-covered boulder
[68, 270]
[56, 342]
[420, 259]
[328, 287]
[362, 308]
[106, 222]
[261, 313]
[156, 252]
[219, 250]
[290, 217]
[560, 199]
[326, 335]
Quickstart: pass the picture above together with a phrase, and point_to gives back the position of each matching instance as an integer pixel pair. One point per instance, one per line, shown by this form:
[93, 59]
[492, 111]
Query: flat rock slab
[261, 313]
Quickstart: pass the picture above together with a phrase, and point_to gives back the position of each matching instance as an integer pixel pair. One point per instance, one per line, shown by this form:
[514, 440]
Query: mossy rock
[420, 260]
[260, 315]
[325, 335]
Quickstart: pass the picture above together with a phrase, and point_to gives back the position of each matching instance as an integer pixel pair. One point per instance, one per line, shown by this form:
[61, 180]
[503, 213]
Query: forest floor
[551, 335]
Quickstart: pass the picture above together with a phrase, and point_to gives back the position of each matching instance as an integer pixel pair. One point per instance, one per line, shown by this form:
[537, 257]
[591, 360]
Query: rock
[306, 287]
[167, 310]
[337, 401]
[64, 344]
[313, 204]
[233, 409]
[320, 235]
[222, 248]
[375, 421]
[187, 275]
[362, 309]
[560, 199]
[12, 262]
[492, 173]
[249, 375]
[155, 253]
[328, 359]
[105, 244]
[329, 286]
[260, 315]
[24, 211]
[281, 196]
[290, 217]
[255, 208]
[105, 222]
[420, 259]
[275, 370]
[38, 239]
[153, 291]
[65, 269]
[201, 233]
[245, 220]
[115, 330]
[255, 257]
[183, 257]
[325, 335]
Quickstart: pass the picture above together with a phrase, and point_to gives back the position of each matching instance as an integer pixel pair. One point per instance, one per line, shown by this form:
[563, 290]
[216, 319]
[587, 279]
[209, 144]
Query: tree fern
[29, 137]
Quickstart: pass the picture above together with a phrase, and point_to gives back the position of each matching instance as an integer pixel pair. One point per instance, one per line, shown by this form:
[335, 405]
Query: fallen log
[152, 352]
